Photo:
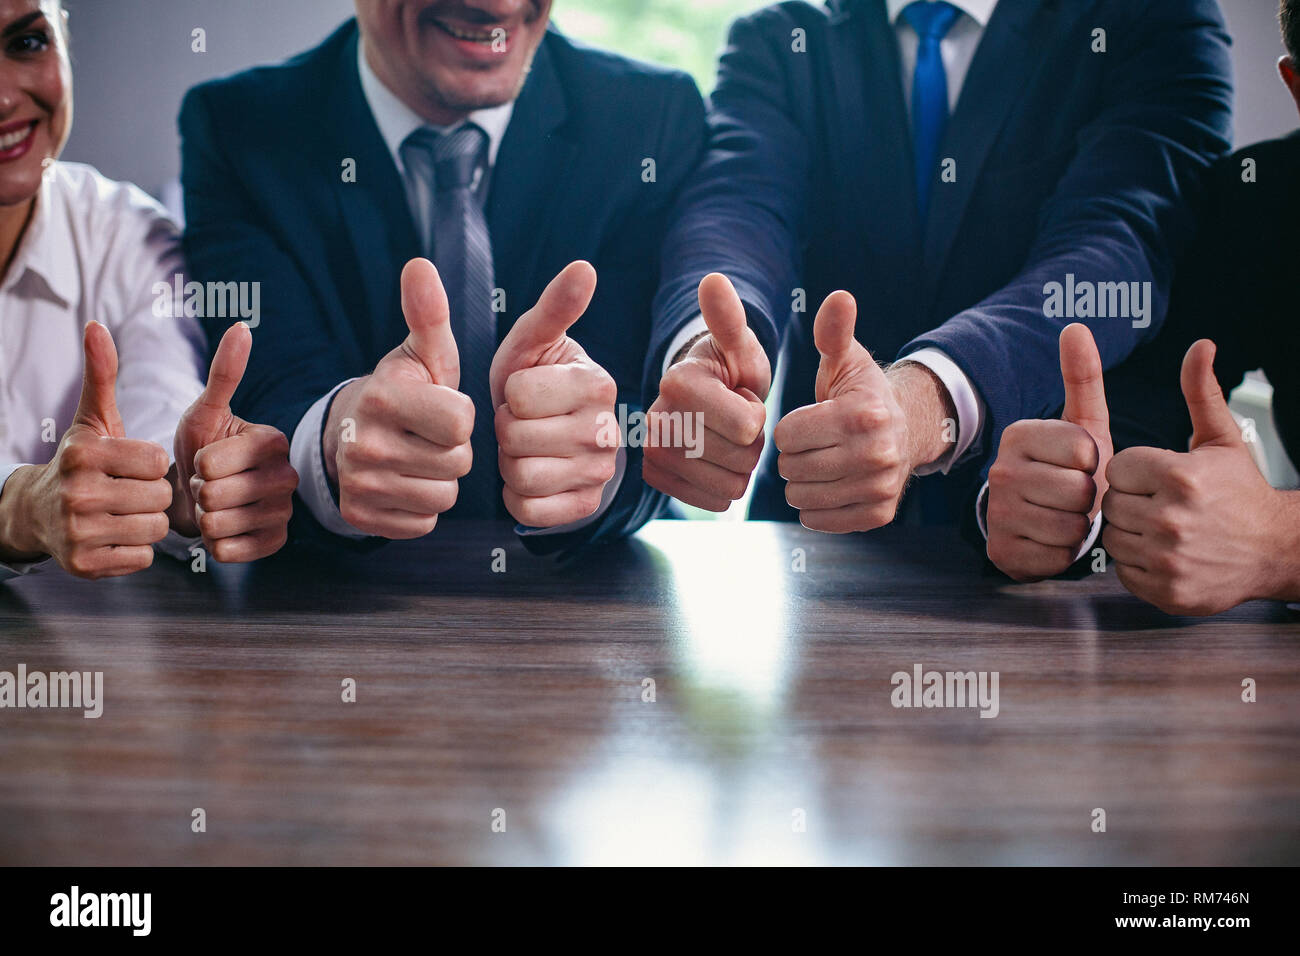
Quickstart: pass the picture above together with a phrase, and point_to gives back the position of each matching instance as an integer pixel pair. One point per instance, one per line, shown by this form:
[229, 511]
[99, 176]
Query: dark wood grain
[523, 691]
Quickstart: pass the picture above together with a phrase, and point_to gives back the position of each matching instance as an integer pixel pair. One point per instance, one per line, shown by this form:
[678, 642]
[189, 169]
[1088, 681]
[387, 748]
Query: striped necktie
[461, 248]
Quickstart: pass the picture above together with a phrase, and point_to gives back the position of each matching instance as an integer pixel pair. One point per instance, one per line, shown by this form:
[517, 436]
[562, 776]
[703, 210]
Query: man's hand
[1045, 487]
[723, 378]
[847, 459]
[549, 399]
[234, 479]
[411, 426]
[1200, 532]
[100, 504]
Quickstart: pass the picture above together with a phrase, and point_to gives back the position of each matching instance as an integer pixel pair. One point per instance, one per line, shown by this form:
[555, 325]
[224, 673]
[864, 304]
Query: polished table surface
[508, 716]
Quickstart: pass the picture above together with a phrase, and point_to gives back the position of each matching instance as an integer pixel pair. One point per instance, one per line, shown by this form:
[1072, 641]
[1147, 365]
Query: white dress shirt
[396, 122]
[93, 250]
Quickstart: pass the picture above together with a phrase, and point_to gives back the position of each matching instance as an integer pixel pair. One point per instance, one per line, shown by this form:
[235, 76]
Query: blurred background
[134, 61]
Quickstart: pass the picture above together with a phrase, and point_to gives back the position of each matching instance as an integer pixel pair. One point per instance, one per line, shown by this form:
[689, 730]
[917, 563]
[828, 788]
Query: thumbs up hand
[1197, 533]
[234, 480]
[397, 441]
[723, 380]
[550, 401]
[1046, 485]
[846, 460]
[100, 504]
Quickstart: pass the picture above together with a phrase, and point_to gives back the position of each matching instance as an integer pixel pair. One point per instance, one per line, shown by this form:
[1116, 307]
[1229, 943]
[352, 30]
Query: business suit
[1236, 285]
[1067, 161]
[264, 154]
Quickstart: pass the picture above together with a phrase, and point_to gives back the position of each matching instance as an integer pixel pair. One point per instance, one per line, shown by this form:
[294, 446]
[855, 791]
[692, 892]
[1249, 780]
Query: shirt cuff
[694, 327]
[606, 499]
[307, 455]
[8, 571]
[981, 519]
[966, 401]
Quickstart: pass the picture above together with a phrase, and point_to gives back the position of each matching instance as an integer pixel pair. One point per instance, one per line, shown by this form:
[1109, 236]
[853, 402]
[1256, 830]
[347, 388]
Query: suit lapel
[527, 179]
[875, 144]
[1015, 42]
[374, 208]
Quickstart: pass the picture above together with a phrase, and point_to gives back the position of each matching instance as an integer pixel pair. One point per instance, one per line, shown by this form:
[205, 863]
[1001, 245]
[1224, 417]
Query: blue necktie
[931, 21]
[462, 251]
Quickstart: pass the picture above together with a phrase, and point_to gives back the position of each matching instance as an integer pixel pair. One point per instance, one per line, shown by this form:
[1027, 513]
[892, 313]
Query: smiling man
[473, 134]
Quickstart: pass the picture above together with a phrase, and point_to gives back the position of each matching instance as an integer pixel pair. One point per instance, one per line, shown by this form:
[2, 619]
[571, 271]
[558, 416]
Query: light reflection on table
[524, 691]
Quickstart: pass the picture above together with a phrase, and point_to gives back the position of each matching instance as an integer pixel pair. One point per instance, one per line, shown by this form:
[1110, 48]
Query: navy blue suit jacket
[1067, 161]
[265, 201]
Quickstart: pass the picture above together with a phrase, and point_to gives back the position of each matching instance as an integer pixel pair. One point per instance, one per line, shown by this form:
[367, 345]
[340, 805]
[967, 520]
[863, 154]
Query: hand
[847, 459]
[100, 504]
[1045, 487]
[234, 479]
[721, 382]
[549, 399]
[412, 428]
[1200, 532]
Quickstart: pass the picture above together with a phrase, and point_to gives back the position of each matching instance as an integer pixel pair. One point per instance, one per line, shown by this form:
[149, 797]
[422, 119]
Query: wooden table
[521, 698]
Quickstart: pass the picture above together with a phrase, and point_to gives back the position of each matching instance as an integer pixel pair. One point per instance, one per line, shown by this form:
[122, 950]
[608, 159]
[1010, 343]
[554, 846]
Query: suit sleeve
[296, 359]
[1121, 213]
[680, 143]
[742, 211]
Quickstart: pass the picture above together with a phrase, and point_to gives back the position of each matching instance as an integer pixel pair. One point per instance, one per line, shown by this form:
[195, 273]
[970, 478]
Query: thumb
[723, 313]
[1085, 385]
[544, 326]
[1212, 422]
[561, 304]
[98, 406]
[428, 317]
[228, 367]
[839, 350]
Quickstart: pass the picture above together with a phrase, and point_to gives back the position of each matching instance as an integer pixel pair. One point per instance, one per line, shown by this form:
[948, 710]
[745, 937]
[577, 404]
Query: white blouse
[94, 249]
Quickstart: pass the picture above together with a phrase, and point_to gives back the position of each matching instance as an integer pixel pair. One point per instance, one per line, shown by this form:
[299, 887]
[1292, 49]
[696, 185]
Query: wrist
[20, 537]
[340, 410]
[927, 406]
[1281, 554]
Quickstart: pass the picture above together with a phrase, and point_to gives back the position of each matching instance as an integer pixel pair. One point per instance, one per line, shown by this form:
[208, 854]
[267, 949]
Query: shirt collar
[978, 10]
[46, 260]
[397, 121]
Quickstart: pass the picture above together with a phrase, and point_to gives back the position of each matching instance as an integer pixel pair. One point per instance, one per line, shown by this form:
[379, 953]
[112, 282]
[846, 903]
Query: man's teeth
[10, 140]
[474, 36]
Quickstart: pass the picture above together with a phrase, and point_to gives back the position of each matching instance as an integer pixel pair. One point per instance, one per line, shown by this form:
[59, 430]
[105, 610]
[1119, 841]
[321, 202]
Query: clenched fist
[411, 426]
[723, 378]
[550, 399]
[1046, 485]
[100, 504]
[235, 477]
[1197, 533]
[847, 459]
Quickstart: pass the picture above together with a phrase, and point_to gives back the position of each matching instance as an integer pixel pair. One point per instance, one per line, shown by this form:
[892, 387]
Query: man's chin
[469, 101]
[473, 104]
